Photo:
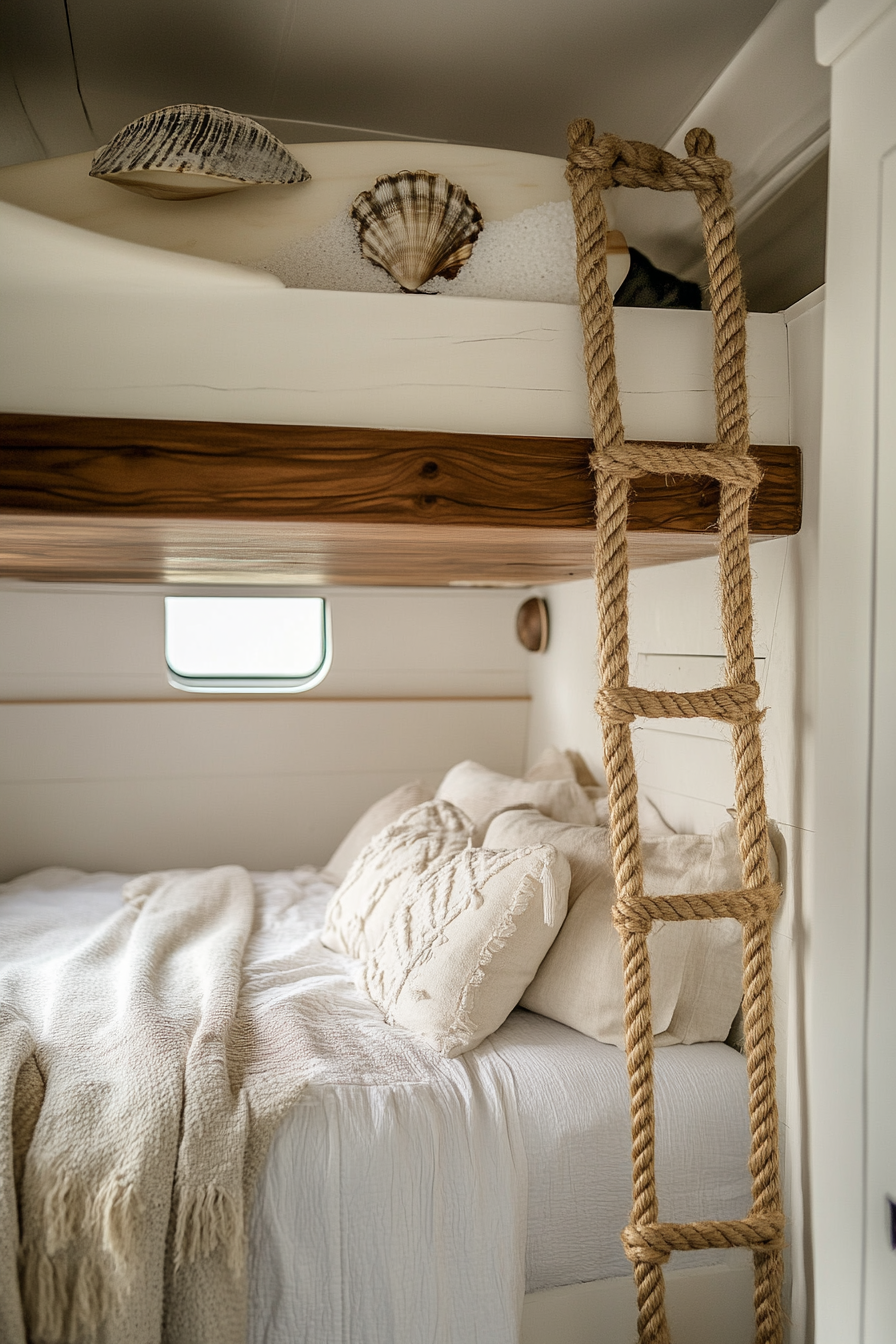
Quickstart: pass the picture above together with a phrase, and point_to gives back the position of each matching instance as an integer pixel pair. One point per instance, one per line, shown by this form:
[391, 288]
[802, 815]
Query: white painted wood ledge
[97, 325]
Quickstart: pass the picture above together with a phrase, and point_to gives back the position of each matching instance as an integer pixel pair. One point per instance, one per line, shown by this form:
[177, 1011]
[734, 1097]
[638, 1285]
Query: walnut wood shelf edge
[88, 499]
[198, 469]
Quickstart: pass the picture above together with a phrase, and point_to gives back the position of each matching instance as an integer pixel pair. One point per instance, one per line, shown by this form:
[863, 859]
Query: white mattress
[404, 1193]
[573, 1106]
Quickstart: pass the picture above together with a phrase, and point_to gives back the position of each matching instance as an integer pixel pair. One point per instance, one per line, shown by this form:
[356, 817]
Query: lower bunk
[407, 1198]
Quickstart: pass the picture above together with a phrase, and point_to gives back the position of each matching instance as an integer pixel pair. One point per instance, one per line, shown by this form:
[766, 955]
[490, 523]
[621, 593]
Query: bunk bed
[252, 433]
[465, 462]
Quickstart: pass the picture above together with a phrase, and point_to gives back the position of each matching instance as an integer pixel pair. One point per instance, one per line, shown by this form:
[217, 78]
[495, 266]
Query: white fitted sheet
[407, 1199]
[573, 1106]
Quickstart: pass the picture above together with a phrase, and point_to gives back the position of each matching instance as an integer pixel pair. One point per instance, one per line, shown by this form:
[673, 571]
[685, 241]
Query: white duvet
[409, 1199]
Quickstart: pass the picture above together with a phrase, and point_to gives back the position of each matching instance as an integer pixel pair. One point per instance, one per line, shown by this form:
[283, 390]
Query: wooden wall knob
[532, 625]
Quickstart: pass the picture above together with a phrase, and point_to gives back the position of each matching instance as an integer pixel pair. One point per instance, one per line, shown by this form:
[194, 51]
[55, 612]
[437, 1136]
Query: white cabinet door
[852, 939]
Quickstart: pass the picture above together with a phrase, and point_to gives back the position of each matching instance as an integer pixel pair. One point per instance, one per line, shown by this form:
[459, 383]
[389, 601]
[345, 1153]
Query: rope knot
[628, 919]
[598, 156]
[700, 143]
[701, 151]
[632, 163]
[580, 133]
[644, 1248]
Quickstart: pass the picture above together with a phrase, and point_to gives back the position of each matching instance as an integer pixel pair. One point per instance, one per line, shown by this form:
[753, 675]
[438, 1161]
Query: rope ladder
[595, 165]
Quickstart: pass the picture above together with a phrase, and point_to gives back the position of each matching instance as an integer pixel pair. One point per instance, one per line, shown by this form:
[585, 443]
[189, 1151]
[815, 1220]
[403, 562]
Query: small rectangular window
[247, 643]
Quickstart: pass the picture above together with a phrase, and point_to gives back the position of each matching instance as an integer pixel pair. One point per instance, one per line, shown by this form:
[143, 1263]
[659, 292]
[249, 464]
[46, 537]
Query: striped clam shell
[416, 225]
[190, 150]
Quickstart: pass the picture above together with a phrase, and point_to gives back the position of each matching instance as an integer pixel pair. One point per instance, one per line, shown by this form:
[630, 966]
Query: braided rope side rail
[594, 166]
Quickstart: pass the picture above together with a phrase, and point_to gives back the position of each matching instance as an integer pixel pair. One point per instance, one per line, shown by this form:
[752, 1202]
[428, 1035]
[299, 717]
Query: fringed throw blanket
[137, 1100]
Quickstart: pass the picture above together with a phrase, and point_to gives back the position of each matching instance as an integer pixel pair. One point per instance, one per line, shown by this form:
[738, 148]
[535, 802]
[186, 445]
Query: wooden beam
[184, 501]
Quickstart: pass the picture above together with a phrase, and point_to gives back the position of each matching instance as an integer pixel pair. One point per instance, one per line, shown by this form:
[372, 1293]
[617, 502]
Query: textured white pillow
[556, 764]
[479, 792]
[381, 814]
[464, 941]
[696, 966]
[551, 764]
[362, 906]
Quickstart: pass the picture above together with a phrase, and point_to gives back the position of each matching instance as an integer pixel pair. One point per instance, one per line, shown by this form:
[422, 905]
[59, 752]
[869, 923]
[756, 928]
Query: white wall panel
[142, 786]
[126, 771]
[107, 642]
[880, 1306]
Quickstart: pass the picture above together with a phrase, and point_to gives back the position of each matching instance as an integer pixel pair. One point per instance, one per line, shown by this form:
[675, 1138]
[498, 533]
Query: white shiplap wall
[104, 765]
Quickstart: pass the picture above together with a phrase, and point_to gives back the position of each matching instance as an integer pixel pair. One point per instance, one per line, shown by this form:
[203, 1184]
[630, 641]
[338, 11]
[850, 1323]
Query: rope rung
[745, 904]
[726, 704]
[723, 462]
[653, 1243]
[632, 163]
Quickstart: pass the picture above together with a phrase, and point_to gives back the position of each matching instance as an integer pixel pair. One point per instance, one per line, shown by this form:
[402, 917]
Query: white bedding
[409, 1199]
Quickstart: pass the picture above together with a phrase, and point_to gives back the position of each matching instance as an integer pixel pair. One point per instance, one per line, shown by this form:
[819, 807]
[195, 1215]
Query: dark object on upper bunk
[646, 286]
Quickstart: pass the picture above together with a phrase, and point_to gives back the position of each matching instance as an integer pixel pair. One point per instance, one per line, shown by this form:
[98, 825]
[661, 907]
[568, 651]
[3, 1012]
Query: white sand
[531, 256]
[329, 258]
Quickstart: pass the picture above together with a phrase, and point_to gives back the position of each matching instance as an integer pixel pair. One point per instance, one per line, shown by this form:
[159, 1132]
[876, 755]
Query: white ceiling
[508, 73]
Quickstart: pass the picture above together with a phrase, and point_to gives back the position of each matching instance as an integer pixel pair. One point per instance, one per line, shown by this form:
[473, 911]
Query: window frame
[254, 685]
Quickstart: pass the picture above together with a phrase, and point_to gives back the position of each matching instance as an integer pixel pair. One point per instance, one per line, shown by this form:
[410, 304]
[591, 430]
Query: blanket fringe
[64, 1302]
[45, 1294]
[209, 1217]
[115, 1212]
[67, 1299]
[65, 1208]
[90, 1301]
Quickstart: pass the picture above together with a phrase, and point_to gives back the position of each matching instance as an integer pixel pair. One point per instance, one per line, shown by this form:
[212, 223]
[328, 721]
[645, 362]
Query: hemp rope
[594, 166]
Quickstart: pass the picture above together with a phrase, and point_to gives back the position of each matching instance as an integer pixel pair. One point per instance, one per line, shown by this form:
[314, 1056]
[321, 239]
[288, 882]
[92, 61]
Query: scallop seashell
[190, 150]
[416, 225]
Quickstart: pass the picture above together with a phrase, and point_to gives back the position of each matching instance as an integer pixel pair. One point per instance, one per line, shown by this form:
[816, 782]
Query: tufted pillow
[695, 965]
[421, 837]
[464, 941]
[382, 813]
[479, 792]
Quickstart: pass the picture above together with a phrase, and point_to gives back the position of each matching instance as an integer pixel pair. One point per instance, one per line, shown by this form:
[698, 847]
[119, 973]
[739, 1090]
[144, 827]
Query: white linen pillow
[423, 836]
[556, 764]
[696, 966]
[464, 941]
[479, 792]
[379, 815]
[551, 764]
[650, 822]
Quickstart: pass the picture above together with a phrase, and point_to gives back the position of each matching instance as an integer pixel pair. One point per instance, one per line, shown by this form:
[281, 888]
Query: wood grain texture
[83, 549]
[140, 500]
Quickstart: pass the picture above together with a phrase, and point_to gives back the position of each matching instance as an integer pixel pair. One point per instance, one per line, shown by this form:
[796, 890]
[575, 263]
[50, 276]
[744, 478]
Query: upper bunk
[170, 415]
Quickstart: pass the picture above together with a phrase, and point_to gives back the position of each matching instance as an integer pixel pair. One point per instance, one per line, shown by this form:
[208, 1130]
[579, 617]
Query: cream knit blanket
[137, 1101]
